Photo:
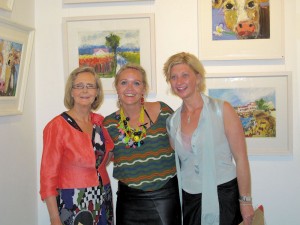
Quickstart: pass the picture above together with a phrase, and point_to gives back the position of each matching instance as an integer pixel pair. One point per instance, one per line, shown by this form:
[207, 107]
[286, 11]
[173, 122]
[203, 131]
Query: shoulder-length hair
[69, 100]
[135, 67]
[192, 61]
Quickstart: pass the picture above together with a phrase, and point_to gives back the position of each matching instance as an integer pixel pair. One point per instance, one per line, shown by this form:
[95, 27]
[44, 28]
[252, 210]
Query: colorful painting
[240, 19]
[108, 42]
[10, 56]
[107, 51]
[256, 108]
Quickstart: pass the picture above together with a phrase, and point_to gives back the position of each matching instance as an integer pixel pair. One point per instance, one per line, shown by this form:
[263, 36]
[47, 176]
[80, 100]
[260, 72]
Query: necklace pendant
[189, 119]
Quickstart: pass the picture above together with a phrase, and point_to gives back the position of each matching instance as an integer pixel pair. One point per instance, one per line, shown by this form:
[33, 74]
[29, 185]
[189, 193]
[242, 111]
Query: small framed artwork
[15, 52]
[108, 42]
[263, 102]
[249, 30]
[93, 1]
[6, 4]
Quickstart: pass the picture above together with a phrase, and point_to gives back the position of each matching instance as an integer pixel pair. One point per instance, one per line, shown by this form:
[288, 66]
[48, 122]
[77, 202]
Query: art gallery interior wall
[275, 179]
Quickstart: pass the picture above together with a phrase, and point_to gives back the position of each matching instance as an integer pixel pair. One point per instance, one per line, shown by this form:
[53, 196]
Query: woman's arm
[53, 210]
[235, 135]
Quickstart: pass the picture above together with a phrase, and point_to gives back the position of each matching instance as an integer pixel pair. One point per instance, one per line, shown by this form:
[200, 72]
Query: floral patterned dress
[91, 205]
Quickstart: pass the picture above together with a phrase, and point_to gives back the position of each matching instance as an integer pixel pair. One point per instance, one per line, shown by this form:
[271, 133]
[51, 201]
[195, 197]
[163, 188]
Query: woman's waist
[77, 177]
[172, 183]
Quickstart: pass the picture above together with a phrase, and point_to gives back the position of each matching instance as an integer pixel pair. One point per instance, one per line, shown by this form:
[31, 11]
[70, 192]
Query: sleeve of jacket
[51, 159]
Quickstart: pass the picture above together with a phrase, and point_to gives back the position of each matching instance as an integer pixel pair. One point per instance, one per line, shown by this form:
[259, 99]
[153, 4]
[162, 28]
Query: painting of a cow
[241, 19]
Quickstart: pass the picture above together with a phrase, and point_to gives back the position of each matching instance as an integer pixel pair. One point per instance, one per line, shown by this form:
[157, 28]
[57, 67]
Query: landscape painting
[108, 42]
[256, 108]
[107, 51]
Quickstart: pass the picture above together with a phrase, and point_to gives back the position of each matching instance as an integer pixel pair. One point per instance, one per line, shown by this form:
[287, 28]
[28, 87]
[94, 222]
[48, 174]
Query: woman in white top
[207, 134]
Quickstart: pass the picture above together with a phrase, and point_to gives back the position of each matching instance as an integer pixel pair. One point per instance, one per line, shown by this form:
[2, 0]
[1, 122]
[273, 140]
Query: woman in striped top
[144, 162]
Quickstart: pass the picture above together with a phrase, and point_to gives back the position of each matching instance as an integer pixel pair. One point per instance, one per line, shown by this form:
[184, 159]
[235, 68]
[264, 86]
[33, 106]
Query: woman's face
[184, 80]
[130, 87]
[84, 89]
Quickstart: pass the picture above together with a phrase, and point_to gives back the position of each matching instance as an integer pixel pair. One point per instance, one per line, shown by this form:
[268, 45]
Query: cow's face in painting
[241, 16]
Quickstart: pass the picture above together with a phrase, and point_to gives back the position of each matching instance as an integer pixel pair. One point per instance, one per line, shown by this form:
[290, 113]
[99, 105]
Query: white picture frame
[16, 43]
[249, 87]
[134, 30]
[269, 48]
[7, 4]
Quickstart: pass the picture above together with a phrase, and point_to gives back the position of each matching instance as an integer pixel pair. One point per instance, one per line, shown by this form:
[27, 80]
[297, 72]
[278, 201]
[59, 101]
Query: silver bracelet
[245, 198]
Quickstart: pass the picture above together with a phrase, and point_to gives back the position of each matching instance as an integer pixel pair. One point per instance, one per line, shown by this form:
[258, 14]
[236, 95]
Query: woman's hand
[56, 221]
[247, 212]
[53, 211]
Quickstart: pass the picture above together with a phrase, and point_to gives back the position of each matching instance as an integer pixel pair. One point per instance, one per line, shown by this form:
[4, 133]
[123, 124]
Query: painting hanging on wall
[263, 102]
[15, 52]
[107, 43]
[230, 30]
[256, 108]
[232, 21]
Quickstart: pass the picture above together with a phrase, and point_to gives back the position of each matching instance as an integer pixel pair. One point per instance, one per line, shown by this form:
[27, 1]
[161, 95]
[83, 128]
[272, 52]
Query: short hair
[189, 59]
[69, 100]
[135, 67]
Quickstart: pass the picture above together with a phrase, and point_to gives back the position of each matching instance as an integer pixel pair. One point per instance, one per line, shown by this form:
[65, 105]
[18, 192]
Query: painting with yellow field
[256, 108]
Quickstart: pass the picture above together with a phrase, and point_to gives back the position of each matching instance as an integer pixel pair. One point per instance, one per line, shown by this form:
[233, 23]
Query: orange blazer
[68, 159]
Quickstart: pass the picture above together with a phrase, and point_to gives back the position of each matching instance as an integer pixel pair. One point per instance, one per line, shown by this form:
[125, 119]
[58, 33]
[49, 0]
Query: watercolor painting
[256, 108]
[10, 57]
[107, 51]
[240, 19]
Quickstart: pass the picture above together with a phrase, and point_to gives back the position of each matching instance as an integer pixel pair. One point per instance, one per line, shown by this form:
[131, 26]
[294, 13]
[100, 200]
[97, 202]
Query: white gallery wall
[18, 179]
[275, 179]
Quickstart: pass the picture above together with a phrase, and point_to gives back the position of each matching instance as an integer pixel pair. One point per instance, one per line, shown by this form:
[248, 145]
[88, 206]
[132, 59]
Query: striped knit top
[150, 166]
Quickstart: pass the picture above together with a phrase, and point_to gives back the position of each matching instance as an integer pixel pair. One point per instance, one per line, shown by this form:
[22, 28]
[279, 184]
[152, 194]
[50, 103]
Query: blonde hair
[135, 67]
[192, 61]
[69, 100]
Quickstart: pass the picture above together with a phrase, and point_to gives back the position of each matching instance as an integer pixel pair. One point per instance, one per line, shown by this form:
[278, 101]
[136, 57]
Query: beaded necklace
[132, 138]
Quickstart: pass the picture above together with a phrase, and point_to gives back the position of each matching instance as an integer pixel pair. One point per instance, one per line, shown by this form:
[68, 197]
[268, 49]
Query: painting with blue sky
[256, 108]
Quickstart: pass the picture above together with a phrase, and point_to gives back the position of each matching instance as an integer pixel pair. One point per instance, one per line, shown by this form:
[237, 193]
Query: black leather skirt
[228, 195]
[137, 207]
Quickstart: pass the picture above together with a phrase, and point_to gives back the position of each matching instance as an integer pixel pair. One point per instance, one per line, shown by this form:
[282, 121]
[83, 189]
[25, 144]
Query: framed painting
[93, 1]
[263, 102]
[231, 31]
[15, 52]
[6, 4]
[108, 42]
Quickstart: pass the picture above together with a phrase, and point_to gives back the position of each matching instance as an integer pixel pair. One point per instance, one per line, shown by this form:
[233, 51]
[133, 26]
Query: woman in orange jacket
[76, 150]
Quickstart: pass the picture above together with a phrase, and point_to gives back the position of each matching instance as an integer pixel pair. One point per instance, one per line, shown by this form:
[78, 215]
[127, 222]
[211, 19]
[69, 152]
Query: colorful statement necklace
[132, 138]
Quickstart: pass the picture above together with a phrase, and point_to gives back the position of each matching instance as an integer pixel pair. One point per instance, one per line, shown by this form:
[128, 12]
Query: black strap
[151, 122]
[71, 121]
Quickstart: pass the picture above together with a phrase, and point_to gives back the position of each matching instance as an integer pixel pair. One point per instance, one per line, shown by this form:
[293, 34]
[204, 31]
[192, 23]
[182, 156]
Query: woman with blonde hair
[144, 161]
[207, 134]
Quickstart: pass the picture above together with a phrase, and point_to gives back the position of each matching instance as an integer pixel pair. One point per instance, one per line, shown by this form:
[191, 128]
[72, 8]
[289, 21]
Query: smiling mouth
[181, 88]
[84, 97]
[129, 95]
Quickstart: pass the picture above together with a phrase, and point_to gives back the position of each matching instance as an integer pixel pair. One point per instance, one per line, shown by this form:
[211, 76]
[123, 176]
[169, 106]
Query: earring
[119, 102]
[142, 100]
